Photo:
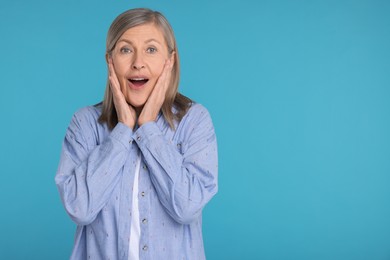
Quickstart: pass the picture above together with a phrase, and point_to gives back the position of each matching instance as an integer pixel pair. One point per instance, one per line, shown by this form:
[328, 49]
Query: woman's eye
[125, 50]
[151, 50]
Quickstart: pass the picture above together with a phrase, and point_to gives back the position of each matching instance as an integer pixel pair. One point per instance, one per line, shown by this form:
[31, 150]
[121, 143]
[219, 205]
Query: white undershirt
[135, 229]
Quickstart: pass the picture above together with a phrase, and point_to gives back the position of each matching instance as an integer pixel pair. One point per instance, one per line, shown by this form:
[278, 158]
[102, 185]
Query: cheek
[120, 72]
[158, 66]
[119, 67]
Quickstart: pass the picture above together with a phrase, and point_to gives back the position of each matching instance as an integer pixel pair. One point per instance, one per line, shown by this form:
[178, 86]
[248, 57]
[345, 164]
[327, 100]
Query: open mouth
[138, 82]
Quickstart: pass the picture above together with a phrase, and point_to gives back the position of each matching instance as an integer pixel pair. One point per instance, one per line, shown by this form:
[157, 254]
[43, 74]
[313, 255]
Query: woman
[136, 170]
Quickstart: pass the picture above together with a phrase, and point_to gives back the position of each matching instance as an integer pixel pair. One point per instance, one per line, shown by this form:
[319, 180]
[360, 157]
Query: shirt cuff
[123, 134]
[146, 132]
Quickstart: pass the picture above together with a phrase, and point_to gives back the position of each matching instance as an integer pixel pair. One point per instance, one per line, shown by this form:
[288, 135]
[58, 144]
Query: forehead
[143, 33]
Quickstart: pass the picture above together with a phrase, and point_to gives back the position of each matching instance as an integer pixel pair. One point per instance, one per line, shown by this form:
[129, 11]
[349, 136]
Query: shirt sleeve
[88, 172]
[184, 177]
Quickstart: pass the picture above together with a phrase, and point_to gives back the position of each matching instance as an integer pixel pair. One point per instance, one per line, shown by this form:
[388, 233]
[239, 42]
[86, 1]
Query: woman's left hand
[156, 99]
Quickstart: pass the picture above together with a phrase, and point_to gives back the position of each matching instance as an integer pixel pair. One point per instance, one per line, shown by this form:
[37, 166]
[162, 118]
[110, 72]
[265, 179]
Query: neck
[138, 110]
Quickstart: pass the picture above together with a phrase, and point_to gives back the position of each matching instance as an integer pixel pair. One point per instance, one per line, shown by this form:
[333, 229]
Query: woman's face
[139, 57]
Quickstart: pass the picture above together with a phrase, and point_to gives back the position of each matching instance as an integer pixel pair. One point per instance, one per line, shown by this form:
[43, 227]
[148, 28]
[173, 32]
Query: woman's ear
[172, 58]
[108, 57]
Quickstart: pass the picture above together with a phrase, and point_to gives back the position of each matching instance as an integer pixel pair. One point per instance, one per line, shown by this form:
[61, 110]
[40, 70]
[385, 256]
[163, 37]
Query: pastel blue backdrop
[299, 92]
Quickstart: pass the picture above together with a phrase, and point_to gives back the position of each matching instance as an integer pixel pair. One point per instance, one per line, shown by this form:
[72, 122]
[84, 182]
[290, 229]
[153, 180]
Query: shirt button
[144, 167]
[139, 138]
[143, 194]
[145, 248]
[144, 221]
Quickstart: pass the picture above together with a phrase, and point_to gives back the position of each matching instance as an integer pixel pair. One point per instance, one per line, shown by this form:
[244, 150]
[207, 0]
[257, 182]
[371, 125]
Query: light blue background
[299, 92]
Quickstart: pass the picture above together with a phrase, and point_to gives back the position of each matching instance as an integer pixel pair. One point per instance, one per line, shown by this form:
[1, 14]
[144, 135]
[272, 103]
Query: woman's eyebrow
[147, 41]
[125, 40]
[152, 40]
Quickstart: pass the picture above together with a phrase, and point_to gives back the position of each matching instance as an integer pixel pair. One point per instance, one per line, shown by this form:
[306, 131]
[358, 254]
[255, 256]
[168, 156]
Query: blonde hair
[173, 99]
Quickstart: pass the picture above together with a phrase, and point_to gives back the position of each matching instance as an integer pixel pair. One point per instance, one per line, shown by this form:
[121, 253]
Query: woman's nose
[138, 67]
[138, 62]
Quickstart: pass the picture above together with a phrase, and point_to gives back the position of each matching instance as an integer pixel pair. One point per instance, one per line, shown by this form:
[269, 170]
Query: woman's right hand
[126, 113]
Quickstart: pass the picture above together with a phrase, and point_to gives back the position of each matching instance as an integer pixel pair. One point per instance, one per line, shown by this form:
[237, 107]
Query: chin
[136, 103]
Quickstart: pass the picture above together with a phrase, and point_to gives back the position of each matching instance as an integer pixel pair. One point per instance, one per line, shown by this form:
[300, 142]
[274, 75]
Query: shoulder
[197, 109]
[196, 119]
[86, 120]
[197, 113]
[88, 113]
[84, 128]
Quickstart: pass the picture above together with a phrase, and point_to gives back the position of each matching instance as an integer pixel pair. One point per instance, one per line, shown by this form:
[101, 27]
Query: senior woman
[137, 169]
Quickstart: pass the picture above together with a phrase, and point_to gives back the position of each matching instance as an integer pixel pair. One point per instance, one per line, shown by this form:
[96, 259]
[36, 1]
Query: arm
[88, 173]
[184, 181]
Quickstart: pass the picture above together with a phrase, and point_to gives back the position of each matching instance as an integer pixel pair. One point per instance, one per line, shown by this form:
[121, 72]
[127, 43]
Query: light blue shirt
[178, 176]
